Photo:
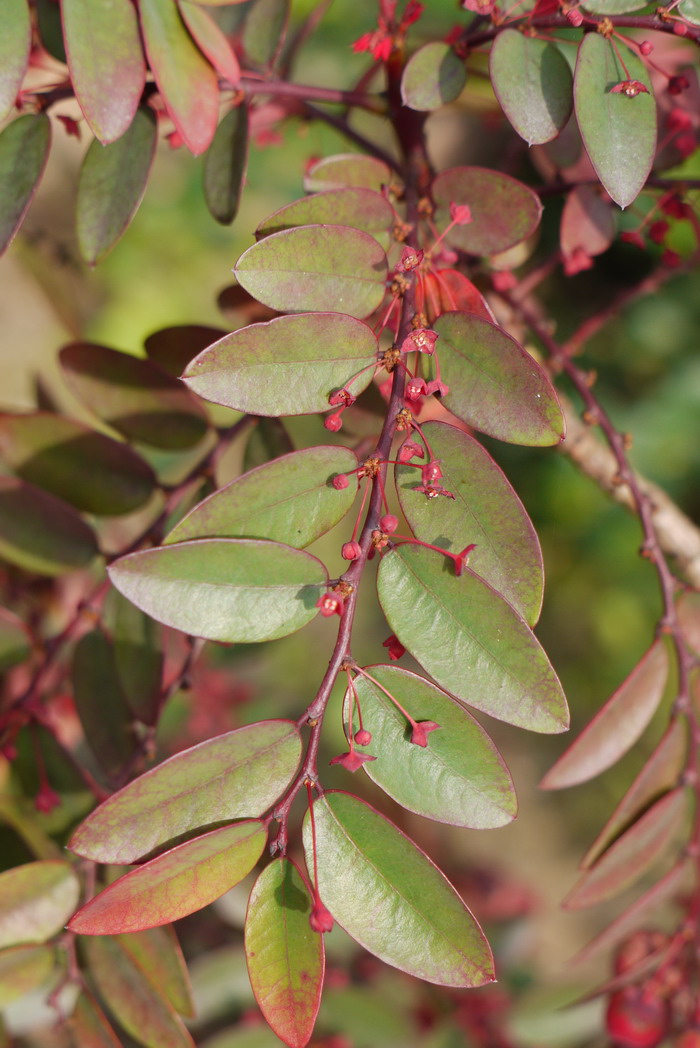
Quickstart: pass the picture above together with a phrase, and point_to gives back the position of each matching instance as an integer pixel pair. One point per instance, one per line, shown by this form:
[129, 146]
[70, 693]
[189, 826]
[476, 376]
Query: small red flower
[420, 732]
[352, 760]
[577, 261]
[175, 140]
[574, 17]
[342, 396]
[416, 389]
[436, 386]
[678, 84]
[72, 126]
[333, 422]
[389, 523]
[330, 604]
[629, 88]
[394, 647]
[504, 280]
[658, 231]
[422, 340]
[320, 918]
[480, 7]
[686, 145]
[46, 799]
[411, 258]
[431, 472]
[461, 214]
[674, 207]
[633, 236]
[351, 551]
[409, 449]
[671, 259]
[431, 491]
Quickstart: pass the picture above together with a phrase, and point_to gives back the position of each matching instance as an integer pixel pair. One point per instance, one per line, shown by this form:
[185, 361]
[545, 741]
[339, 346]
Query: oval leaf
[15, 640]
[172, 348]
[112, 182]
[617, 725]
[362, 208]
[225, 165]
[285, 957]
[211, 41]
[138, 658]
[40, 533]
[448, 289]
[504, 211]
[495, 385]
[458, 778]
[619, 133]
[587, 225]
[23, 969]
[533, 83]
[287, 366]
[88, 1025]
[268, 440]
[233, 776]
[615, 7]
[24, 150]
[15, 44]
[432, 76]
[316, 268]
[470, 640]
[157, 951]
[265, 29]
[390, 897]
[36, 900]
[106, 63]
[347, 169]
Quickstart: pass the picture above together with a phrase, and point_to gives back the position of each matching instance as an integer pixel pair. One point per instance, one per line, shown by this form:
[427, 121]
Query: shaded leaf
[458, 778]
[587, 223]
[285, 957]
[232, 776]
[390, 897]
[138, 658]
[495, 385]
[485, 511]
[36, 900]
[363, 209]
[15, 44]
[268, 440]
[533, 82]
[15, 640]
[504, 211]
[432, 76]
[369, 1016]
[347, 169]
[470, 640]
[225, 165]
[619, 133]
[134, 396]
[265, 29]
[39, 532]
[243, 1037]
[50, 28]
[106, 63]
[617, 725]
[111, 186]
[24, 150]
[89, 1026]
[211, 41]
[287, 366]
[172, 348]
[23, 969]
[157, 951]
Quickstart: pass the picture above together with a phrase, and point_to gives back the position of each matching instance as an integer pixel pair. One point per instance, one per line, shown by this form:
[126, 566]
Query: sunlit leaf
[157, 951]
[15, 44]
[23, 969]
[36, 900]
[24, 150]
[15, 640]
[39, 532]
[432, 76]
[225, 164]
[347, 169]
[89, 1026]
[211, 41]
[504, 211]
[690, 9]
[364, 209]
[532, 81]
[616, 7]
[264, 30]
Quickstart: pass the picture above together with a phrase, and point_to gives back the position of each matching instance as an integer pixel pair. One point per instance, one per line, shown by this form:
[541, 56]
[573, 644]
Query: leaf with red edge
[211, 41]
[617, 725]
[364, 209]
[225, 165]
[157, 951]
[15, 45]
[432, 76]
[633, 853]
[347, 169]
[387, 894]
[41, 533]
[106, 63]
[446, 290]
[504, 211]
[36, 900]
[185, 79]
[688, 610]
[285, 957]
[619, 133]
[587, 223]
[661, 773]
[494, 384]
[24, 150]
[532, 81]
[89, 1026]
[265, 29]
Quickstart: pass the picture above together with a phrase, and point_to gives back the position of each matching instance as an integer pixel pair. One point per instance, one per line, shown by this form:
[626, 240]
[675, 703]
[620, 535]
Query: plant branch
[648, 22]
[373, 103]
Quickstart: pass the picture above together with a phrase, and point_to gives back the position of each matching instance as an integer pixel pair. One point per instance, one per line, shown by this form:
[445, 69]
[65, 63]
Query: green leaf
[112, 183]
[533, 82]
[495, 385]
[268, 440]
[179, 882]
[225, 165]
[347, 169]
[106, 62]
[285, 957]
[619, 133]
[15, 640]
[40, 533]
[138, 658]
[91, 471]
[690, 9]
[470, 640]
[504, 211]
[233, 776]
[15, 44]
[134, 396]
[157, 951]
[291, 500]
[617, 7]
[233, 590]
[36, 900]
[24, 150]
[23, 969]
[50, 28]
[390, 897]
[89, 1026]
[211, 41]
[265, 29]
[370, 1014]
[485, 510]
[186, 81]
[458, 778]
[316, 267]
[363, 209]
[286, 366]
[432, 76]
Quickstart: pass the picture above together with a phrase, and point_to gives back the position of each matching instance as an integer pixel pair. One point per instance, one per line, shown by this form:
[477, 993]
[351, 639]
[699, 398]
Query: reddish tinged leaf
[25, 968]
[106, 62]
[211, 40]
[633, 853]
[347, 169]
[157, 951]
[448, 290]
[232, 776]
[36, 900]
[364, 209]
[24, 150]
[617, 725]
[532, 81]
[186, 81]
[89, 1026]
[225, 165]
[587, 223]
[285, 957]
[504, 211]
[41, 533]
[432, 76]
[15, 44]
[688, 610]
[172, 348]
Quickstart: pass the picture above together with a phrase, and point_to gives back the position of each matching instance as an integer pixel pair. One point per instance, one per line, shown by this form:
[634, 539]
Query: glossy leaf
[587, 222]
[23, 969]
[495, 385]
[15, 44]
[390, 897]
[111, 186]
[470, 640]
[172, 348]
[39, 532]
[225, 165]
[364, 209]
[89, 1026]
[458, 778]
[532, 81]
[211, 41]
[432, 76]
[186, 81]
[24, 150]
[287, 366]
[347, 169]
[619, 133]
[291, 500]
[265, 29]
[157, 951]
[138, 658]
[36, 900]
[15, 640]
[504, 211]
[91, 471]
[316, 267]
[660, 773]
[617, 725]
[485, 511]
[106, 63]
[134, 396]
[174, 884]
[285, 957]
[233, 590]
[633, 853]
[233, 776]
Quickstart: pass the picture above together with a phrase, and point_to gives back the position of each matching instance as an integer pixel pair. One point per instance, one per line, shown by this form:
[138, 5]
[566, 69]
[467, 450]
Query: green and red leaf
[265, 29]
[347, 169]
[89, 1025]
[15, 45]
[157, 952]
[138, 658]
[24, 150]
[211, 41]
[504, 211]
[532, 81]
[36, 900]
[364, 209]
[432, 76]
[40, 533]
[225, 165]
[25, 968]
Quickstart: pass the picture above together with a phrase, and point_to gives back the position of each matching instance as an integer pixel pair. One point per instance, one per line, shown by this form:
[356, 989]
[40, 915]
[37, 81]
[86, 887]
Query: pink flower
[342, 396]
[480, 7]
[351, 551]
[633, 236]
[505, 280]
[421, 729]
[577, 261]
[72, 126]
[431, 472]
[436, 386]
[330, 604]
[46, 799]
[461, 214]
[678, 120]
[320, 918]
[352, 760]
[630, 88]
[422, 339]
[658, 230]
[389, 523]
[394, 647]
[431, 491]
[678, 84]
[411, 258]
[416, 388]
[409, 449]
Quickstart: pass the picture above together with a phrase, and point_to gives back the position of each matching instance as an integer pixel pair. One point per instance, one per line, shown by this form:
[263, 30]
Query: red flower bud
[633, 236]
[409, 449]
[333, 422]
[636, 1020]
[388, 523]
[340, 481]
[658, 230]
[504, 280]
[680, 28]
[351, 550]
[330, 604]
[363, 737]
[394, 647]
[646, 47]
[320, 918]
[46, 799]
[574, 18]
[461, 214]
